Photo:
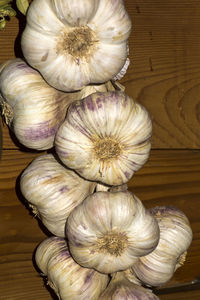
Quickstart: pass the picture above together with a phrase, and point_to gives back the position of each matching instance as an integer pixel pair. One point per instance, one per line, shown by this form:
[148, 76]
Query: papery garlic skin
[35, 109]
[105, 188]
[53, 191]
[105, 137]
[75, 43]
[120, 288]
[109, 231]
[65, 276]
[158, 267]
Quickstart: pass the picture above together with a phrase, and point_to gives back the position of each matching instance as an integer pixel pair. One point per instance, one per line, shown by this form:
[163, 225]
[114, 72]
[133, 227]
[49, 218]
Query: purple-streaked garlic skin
[158, 267]
[36, 109]
[177, 227]
[109, 231]
[105, 137]
[120, 288]
[68, 279]
[53, 191]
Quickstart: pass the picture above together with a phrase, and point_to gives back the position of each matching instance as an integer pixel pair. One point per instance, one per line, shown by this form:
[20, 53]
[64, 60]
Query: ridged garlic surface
[109, 231]
[105, 137]
[32, 108]
[68, 279]
[120, 288]
[158, 267]
[53, 191]
[75, 43]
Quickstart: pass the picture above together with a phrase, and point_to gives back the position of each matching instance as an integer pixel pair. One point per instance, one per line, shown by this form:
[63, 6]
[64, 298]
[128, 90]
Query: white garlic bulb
[158, 267]
[32, 108]
[75, 43]
[65, 276]
[109, 231]
[53, 191]
[105, 137]
[120, 288]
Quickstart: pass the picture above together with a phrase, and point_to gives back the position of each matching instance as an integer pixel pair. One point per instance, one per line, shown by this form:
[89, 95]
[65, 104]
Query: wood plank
[19, 235]
[164, 74]
[194, 295]
[168, 178]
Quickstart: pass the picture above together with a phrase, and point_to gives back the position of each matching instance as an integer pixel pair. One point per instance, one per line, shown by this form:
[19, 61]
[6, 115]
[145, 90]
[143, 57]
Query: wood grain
[164, 74]
[168, 178]
[194, 295]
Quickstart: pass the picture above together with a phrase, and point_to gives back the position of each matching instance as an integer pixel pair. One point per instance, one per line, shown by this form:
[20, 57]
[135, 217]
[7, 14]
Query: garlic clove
[111, 22]
[52, 191]
[177, 238]
[41, 17]
[105, 137]
[113, 55]
[158, 267]
[76, 12]
[65, 276]
[109, 231]
[120, 288]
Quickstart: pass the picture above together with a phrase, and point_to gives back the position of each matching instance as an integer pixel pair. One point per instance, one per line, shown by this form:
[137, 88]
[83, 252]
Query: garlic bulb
[105, 137]
[33, 107]
[159, 266]
[122, 289]
[109, 231]
[53, 191]
[75, 43]
[65, 276]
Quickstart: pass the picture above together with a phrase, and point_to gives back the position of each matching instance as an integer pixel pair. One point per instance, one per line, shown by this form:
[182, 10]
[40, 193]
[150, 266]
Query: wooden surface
[164, 75]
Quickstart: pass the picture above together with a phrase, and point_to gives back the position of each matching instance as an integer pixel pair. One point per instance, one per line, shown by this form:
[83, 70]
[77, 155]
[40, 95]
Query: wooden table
[164, 76]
